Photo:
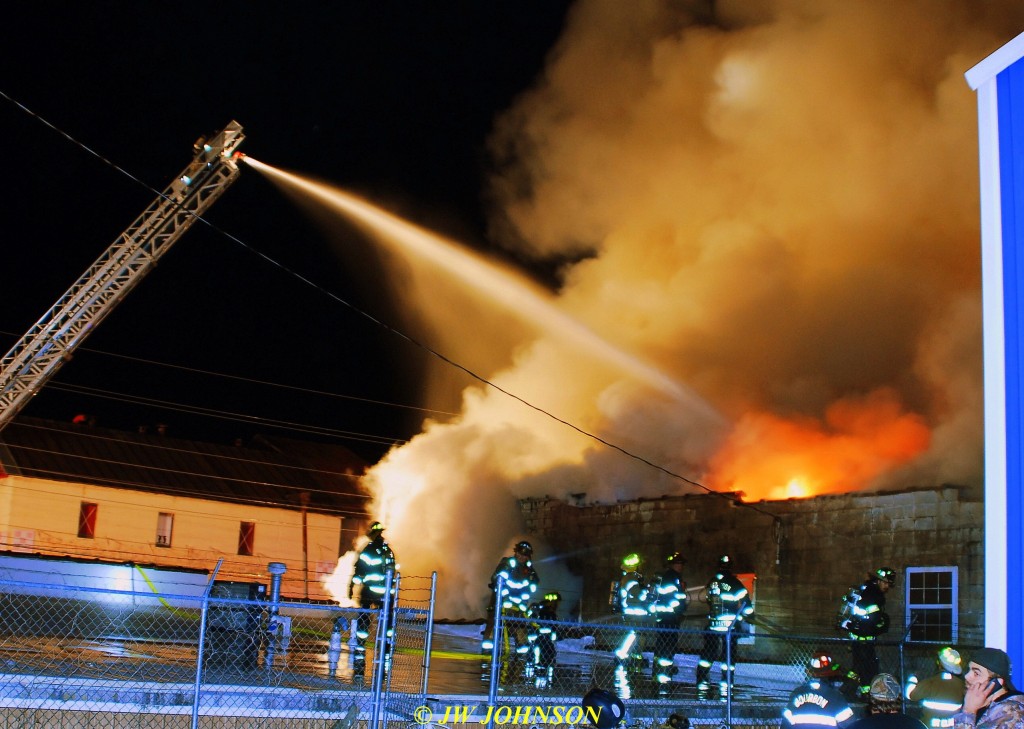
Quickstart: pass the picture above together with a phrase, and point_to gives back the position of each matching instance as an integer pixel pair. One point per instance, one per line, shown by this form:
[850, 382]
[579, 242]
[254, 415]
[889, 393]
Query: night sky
[393, 100]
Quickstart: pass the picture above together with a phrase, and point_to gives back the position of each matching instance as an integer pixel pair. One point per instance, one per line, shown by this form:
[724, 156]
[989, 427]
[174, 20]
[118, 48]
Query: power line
[171, 491]
[734, 498]
[267, 383]
[223, 415]
[205, 454]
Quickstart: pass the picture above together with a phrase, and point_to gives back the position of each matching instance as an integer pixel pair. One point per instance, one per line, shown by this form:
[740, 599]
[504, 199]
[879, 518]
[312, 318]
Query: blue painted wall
[1010, 84]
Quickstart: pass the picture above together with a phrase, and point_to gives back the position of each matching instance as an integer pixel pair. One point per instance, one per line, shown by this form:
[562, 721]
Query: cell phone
[995, 683]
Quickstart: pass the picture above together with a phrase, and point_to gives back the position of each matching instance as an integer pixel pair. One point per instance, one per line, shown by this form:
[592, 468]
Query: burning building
[774, 204]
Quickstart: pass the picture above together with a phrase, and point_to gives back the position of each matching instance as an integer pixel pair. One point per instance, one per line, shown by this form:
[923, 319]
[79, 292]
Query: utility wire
[205, 454]
[210, 412]
[300, 488]
[253, 381]
[186, 492]
[398, 333]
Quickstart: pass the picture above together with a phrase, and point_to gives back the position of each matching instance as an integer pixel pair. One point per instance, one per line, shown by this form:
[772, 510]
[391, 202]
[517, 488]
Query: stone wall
[805, 553]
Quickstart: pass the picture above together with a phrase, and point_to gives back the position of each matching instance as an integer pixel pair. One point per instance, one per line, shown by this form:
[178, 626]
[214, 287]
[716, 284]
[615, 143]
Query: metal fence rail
[181, 660]
[621, 655]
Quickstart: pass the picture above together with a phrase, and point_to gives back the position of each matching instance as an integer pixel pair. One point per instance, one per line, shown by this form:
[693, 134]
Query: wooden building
[77, 490]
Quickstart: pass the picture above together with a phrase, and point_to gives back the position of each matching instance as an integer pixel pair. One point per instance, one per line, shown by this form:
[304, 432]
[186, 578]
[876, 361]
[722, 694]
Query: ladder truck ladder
[37, 356]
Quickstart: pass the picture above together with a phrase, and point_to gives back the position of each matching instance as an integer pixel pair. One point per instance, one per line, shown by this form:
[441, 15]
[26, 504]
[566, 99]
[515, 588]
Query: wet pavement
[458, 672]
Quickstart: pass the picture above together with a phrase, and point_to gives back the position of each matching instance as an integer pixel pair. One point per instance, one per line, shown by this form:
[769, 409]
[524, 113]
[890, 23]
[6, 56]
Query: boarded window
[87, 520]
[932, 604]
[246, 537]
[164, 528]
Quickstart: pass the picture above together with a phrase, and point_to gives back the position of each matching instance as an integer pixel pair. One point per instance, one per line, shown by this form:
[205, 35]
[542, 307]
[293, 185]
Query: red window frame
[246, 538]
[87, 520]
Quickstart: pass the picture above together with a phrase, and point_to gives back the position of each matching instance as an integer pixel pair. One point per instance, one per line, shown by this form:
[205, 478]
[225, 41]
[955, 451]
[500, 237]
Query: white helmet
[949, 659]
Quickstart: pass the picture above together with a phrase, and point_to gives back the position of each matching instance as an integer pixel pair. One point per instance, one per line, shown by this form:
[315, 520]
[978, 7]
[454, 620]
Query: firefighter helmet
[678, 721]
[950, 661]
[724, 560]
[524, 547]
[884, 689]
[821, 664]
[376, 527]
[631, 562]
[610, 709]
[886, 574]
[675, 558]
[553, 597]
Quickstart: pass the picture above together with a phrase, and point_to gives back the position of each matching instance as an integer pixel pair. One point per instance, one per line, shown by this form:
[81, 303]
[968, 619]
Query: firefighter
[542, 636]
[632, 602]
[520, 582]
[824, 667]
[374, 562]
[863, 616]
[817, 703]
[728, 606]
[883, 710]
[669, 606]
[940, 696]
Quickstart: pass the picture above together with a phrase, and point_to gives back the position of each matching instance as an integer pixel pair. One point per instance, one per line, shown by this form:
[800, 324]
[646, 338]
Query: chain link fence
[226, 658]
[739, 678]
[232, 657]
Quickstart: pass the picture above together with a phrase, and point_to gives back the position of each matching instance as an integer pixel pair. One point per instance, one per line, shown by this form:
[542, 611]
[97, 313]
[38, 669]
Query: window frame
[247, 538]
[953, 606]
[88, 511]
[161, 518]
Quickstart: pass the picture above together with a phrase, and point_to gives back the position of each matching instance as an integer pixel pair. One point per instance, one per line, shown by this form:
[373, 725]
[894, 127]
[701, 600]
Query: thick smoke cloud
[774, 202]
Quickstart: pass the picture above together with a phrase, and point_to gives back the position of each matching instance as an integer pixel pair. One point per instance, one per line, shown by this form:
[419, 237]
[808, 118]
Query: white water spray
[515, 293]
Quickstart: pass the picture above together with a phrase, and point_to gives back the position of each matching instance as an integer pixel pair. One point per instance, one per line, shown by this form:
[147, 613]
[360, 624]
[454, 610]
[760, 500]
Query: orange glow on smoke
[770, 457]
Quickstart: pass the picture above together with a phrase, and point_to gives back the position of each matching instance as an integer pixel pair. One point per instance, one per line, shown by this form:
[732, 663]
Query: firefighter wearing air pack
[369, 577]
[519, 583]
[543, 634]
[863, 615]
[632, 600]
[729, 605]
[668, 608]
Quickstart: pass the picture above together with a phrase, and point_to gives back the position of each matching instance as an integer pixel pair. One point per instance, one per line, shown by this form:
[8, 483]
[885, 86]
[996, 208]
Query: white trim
[996, 63]
[954, 597]
[994, 366]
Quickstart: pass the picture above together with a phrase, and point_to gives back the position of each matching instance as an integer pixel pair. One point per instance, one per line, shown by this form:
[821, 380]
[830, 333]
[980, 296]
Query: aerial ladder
[37, 356]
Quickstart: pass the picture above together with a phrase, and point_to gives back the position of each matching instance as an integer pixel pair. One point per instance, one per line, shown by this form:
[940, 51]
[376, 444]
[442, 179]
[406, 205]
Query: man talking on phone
[990, 699]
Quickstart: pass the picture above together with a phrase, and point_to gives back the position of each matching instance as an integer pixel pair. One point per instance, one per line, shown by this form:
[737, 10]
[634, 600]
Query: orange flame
[769, 457]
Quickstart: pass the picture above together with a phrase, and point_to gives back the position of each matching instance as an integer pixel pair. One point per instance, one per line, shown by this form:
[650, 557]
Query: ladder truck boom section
[37, 356]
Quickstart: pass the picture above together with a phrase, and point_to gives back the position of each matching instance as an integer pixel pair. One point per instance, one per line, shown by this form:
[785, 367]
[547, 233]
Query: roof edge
[996, 63]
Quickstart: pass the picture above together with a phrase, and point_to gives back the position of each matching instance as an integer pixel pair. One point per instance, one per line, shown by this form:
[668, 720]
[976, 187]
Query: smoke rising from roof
[775, 203]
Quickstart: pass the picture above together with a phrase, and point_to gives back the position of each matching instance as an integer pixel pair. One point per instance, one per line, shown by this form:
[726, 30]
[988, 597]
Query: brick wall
[805, 552]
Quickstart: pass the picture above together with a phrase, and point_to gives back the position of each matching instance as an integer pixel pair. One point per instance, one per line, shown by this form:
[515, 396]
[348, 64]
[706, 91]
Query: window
[87, 520]
[246, 537]
[164, 527]
[932, 604]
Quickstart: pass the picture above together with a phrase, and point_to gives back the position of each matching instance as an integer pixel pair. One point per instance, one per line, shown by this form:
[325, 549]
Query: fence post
[202, 641]
[391, 641]
[429, 638]
[492, 687]
[276, 570]
[903, 669]
[730, 673]
[379, 649]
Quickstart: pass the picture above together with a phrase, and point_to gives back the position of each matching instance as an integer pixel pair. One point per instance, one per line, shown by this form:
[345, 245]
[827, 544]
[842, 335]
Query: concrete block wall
[805, 553]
